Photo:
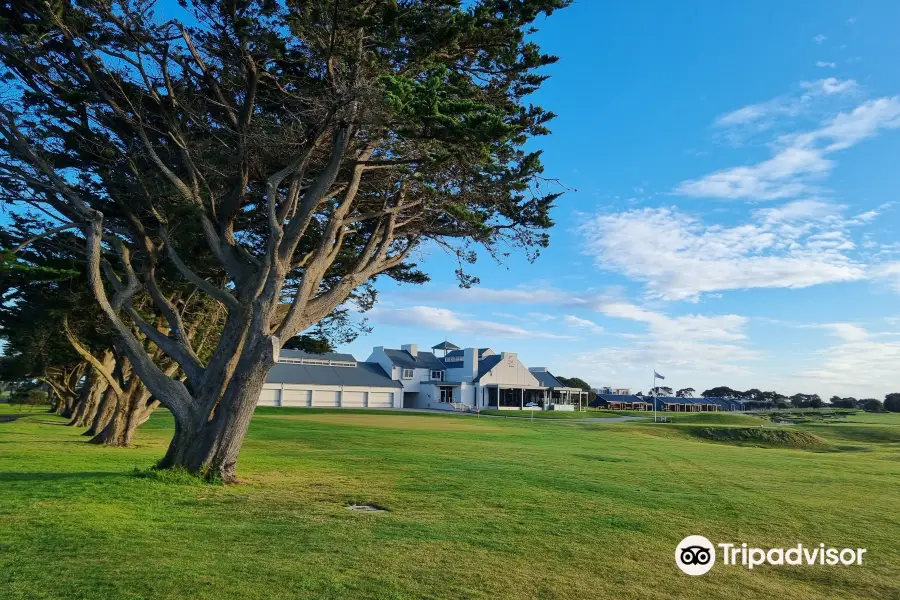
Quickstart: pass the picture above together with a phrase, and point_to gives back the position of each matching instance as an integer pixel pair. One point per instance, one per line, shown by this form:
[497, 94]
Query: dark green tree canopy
[276, 156]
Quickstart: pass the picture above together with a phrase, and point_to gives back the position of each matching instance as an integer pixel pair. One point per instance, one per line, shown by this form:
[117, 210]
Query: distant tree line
[756, 399]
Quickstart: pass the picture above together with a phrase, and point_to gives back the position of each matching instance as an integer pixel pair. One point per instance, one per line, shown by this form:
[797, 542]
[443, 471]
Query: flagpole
[653, 393]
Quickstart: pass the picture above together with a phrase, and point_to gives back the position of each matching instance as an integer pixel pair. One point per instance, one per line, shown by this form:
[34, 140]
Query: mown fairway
[479, 508]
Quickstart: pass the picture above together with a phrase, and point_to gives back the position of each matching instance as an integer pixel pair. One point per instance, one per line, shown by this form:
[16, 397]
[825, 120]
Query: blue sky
[734, 209]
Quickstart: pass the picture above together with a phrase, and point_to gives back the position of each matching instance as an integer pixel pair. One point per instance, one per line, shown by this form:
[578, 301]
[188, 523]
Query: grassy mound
[713, 418]
[769, 437]
[872, 434]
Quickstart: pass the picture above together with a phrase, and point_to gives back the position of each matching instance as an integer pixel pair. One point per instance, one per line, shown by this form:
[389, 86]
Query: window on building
[437, 375]
[408, 373]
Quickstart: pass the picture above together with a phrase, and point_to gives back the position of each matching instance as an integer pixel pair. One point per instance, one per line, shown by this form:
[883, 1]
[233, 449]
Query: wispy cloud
[688, 343]
[577, 322]
[820, 38]
[860, 365]
[811, 99]
[890, 274]
[678, 257]
[800, 160]
[825, 64]
[444, 319]
[849, 332]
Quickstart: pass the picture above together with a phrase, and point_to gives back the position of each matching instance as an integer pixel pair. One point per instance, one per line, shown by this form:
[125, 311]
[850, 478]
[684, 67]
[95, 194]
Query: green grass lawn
[478, 508]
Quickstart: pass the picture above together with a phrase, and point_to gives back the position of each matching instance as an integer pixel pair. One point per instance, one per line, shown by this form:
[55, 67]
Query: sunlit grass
[477, 508]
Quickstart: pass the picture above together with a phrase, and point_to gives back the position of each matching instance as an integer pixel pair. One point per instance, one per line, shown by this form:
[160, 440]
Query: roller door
[269, 397]
[325, 398]
[353, 399]
[295, 397]
[381, 400]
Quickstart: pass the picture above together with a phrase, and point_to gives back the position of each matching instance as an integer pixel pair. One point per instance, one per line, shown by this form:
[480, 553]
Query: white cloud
[847, 331]
[786, 174]
[825, 65]
[686, 327]
[830, 85]
[848, 129]
[890, 273]
[800, 159]
[860, 367]
[688, 343]
[573, 321]
[810, 209]
[819, 38]
[799, 244]
[444, 319]
[812, 101]
[534, 294]
[541, 316]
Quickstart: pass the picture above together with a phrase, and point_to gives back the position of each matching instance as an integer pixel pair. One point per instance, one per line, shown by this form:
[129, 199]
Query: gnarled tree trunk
[129, 411]
[210, 444]
[91, 394]
[103, 413]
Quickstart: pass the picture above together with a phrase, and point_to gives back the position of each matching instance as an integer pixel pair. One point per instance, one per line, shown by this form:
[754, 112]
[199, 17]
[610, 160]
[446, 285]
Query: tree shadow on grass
[56, 476]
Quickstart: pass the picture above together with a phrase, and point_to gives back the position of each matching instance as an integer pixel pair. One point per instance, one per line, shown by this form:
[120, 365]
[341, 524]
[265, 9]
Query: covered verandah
[516, 397]
[569, 398]
[696, 406]
[520, 397]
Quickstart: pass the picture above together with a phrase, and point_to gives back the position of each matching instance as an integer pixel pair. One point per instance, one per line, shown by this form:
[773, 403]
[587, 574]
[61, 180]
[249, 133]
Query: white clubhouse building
[462, 379]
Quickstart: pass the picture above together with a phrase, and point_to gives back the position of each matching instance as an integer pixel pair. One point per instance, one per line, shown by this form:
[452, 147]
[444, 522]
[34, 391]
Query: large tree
[278, 155]
[577, 382]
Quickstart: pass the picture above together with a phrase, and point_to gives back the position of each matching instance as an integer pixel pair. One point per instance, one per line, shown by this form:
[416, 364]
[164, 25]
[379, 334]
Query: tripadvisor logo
[696, 555]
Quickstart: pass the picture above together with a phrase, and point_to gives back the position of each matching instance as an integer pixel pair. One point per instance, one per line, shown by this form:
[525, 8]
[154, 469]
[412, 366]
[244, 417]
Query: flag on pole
[657, 375]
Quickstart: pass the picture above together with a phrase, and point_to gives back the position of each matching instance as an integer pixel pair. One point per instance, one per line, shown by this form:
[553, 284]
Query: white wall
[467, 393]
[420, 376]
[297, 395]
[378, 356]
[510, 371]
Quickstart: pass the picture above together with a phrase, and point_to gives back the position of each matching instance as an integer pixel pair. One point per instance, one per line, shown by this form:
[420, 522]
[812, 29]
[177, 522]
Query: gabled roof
[488, 363]
[546, 379]
[484, 365]
[459, 353]
[445, 346]
[363, 375]
[422, 360]
[326, 356]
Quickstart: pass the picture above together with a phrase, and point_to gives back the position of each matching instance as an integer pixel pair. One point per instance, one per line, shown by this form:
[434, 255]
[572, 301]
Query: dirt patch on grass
[769, 437]
[398, 421]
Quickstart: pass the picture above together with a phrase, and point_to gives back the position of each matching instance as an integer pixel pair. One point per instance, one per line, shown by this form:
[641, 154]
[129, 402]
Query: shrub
[872, 405]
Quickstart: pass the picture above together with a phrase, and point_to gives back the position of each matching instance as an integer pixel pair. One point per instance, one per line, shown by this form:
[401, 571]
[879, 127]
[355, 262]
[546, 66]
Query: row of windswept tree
[755, 398]
[221, 176]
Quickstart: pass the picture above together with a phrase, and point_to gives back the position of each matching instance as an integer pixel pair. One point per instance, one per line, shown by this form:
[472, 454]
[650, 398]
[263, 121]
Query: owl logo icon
[695, 555]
